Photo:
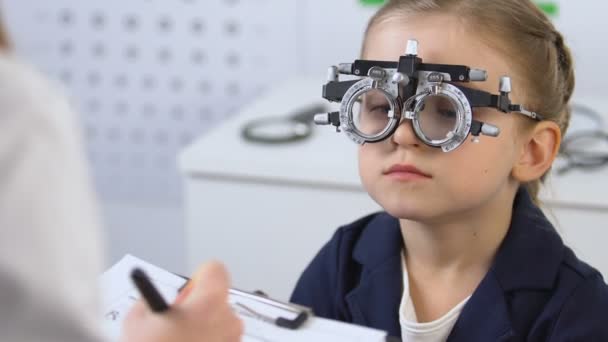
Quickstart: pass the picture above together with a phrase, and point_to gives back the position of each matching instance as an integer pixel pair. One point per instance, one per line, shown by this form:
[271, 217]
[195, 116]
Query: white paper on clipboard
[119, 295]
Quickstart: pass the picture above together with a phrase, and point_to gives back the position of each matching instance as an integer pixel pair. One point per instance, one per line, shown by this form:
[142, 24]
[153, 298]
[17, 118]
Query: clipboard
[264, 318]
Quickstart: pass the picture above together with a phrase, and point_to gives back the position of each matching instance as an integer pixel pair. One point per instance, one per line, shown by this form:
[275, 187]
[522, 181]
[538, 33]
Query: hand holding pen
[201, 312]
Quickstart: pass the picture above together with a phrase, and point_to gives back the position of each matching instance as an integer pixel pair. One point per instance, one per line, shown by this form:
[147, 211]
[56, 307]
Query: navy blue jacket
[535, 290]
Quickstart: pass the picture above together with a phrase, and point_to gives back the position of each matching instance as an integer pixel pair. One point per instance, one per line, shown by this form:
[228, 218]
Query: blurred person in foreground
[50, 246]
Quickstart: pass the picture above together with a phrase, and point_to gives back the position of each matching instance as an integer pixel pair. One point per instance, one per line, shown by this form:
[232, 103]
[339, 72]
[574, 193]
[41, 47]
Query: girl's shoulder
[573, 308]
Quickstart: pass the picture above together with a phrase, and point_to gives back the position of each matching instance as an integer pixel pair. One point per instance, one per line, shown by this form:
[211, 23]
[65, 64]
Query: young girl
[462, 252]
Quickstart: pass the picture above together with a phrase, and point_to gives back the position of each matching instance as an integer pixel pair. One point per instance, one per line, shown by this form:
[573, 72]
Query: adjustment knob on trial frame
[322, 119]
[505, 84]
[399, 78]
[412, 47]
[478, 75]
[332, 74]
[332, 118]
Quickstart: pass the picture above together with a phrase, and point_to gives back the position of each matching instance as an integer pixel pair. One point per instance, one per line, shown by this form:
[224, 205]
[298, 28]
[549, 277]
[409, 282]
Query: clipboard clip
[286, 315]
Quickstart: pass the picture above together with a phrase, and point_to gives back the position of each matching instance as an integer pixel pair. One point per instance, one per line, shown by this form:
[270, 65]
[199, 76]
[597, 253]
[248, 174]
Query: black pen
[148, 291]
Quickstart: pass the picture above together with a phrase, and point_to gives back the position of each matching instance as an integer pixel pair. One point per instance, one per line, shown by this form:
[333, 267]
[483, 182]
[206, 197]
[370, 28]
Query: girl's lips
[406, 172]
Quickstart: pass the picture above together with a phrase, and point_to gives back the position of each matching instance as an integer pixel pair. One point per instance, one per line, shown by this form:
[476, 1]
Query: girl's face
[458, 182]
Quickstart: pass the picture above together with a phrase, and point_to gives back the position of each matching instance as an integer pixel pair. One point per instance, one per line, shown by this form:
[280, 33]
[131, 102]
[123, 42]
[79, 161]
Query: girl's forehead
[442, 40]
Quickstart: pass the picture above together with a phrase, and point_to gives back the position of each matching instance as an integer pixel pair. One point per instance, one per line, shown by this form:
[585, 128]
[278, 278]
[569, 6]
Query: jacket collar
[375, 301]
[380, 241]
[531, 241]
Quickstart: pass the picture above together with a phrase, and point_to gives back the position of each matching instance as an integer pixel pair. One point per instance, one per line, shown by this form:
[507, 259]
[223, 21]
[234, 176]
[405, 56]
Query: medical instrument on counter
[584, 150]
[430, 95]
[585, 145]
[282, 129]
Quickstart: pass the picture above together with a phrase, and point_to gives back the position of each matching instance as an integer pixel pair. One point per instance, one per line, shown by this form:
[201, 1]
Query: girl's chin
[407, 213]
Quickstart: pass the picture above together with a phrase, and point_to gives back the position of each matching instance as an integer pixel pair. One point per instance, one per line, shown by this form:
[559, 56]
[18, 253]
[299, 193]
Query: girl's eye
[448, 113]
[380, 109]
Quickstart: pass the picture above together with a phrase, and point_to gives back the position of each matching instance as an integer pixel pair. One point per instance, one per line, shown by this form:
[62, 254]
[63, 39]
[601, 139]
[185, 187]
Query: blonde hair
[522, 32]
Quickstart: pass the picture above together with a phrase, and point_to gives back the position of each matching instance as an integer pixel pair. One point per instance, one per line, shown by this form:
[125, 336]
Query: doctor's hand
[200, 313]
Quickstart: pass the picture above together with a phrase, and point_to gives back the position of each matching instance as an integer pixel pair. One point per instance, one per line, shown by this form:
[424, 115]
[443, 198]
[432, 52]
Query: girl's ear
[539, 149]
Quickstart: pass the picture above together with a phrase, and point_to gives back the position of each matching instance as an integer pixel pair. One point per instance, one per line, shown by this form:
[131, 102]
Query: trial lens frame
[405, 77]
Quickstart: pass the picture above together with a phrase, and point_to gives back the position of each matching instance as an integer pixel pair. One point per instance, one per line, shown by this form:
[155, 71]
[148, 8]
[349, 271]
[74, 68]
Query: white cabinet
[265, 210]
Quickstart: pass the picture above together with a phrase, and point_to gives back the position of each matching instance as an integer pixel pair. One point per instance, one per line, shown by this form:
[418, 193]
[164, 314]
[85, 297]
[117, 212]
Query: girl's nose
[405, 136]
